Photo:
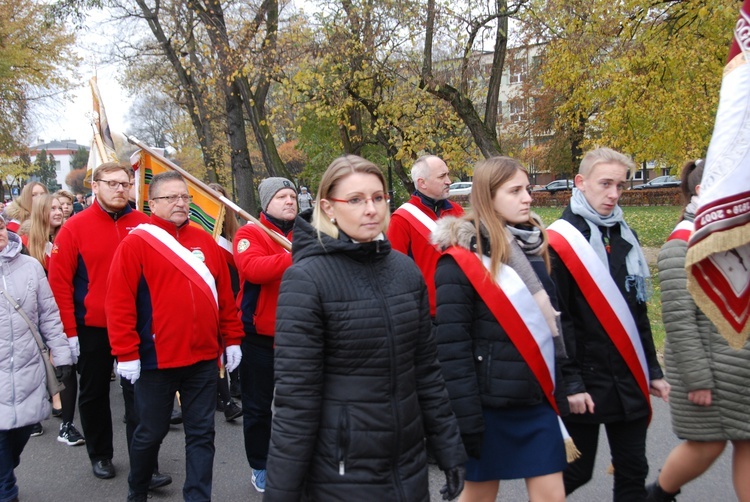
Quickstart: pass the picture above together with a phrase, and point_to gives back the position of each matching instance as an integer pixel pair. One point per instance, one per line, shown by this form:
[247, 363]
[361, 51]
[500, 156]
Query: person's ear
[697, 189]
[578, 180]
[327, 208]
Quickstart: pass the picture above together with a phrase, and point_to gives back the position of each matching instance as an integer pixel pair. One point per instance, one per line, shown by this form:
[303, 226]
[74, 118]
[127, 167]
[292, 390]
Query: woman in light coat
[24, 399]
[710, 403]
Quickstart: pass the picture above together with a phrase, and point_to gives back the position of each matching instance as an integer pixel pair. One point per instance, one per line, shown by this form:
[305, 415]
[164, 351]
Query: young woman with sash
[498, 336]
[709, 399]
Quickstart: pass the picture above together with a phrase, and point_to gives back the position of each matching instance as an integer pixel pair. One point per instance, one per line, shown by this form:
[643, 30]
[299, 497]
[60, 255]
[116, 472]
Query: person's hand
[63, 372]
[234, 356]
[700, 397]
[581, 403]
[129, 370]
[472, 444]
[660, 388]
[454, 482]
[75, 348]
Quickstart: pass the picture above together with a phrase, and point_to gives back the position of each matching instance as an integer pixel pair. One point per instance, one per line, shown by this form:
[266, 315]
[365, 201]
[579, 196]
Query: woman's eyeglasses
[377, 199]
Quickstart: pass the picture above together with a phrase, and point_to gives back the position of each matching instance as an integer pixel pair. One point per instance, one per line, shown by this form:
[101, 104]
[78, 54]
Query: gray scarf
[637, 266]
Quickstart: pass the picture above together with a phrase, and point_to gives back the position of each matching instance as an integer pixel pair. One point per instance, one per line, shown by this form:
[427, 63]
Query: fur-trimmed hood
[452, 231]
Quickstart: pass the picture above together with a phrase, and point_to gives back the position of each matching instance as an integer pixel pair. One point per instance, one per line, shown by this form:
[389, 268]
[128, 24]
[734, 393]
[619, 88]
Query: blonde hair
[489, 175]
[40, 232]
[21, 208]
[339, 169]
[604, 156]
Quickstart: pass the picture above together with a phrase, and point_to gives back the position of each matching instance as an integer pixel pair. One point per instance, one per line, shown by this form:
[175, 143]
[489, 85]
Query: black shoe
[137, 497]
[655, 493]
[56, 412]
[158, 480]
[234, 387]
[232, 411]
[103, 469]
[176, 417]
[37, 430]
[219, 404]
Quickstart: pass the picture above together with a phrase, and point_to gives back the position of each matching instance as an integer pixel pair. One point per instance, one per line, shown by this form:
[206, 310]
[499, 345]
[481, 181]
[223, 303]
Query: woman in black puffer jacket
[504, 395]
[358, 385]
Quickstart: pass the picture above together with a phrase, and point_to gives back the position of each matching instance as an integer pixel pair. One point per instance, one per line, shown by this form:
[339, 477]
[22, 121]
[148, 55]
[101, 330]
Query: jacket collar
[167, 225]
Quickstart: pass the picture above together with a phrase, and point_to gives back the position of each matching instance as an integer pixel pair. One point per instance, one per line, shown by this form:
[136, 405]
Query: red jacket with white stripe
[155, 313]
[407, 239]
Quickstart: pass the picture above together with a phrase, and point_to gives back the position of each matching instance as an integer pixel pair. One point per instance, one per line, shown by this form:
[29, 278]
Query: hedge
[646, 197]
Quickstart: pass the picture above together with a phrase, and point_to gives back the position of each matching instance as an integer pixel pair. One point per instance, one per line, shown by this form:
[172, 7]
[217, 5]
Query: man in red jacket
[261, 262]
[78, 269]
[170, 314]
[413, 222]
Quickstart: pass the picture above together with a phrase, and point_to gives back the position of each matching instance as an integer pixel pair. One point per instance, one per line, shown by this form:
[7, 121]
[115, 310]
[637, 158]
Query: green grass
[653, 224]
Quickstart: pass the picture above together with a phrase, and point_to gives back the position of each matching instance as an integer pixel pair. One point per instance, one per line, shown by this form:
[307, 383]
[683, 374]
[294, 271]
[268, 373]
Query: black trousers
[627, 444]
[94, 368]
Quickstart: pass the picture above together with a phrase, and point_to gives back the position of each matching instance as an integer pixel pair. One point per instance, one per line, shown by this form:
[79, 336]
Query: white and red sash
[183, 260]
[682, 231]
[417, 218]
[514, 308]
[603, 297]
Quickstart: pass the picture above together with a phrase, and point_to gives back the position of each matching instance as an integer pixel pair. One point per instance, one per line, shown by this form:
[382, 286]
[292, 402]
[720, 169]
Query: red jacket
[260, 263]
[80, 260]
[158, 315]
[405, 238]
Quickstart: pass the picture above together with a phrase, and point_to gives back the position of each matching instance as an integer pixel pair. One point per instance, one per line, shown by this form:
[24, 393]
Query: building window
[58, 166]
[517, 110]
[518, 69]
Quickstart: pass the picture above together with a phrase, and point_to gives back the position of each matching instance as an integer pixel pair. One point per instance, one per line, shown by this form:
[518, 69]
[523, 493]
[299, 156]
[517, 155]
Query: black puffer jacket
[594, 365]
[481, 365]
[358, 385]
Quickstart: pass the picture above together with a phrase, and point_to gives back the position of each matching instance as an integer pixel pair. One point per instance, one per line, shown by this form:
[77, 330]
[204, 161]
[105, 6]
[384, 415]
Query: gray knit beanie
[270, 187]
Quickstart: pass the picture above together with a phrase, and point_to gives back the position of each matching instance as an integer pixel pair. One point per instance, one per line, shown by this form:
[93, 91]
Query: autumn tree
[35, 63]
[638, 76]
[74, 180]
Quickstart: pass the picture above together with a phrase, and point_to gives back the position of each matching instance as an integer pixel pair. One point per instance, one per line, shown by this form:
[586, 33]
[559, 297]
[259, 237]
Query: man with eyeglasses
[413, 222]
[170, 316]
[261, 262]
[79, 264]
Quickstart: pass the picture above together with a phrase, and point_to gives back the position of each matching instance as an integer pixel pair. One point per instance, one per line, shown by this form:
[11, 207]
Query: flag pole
[280, 239]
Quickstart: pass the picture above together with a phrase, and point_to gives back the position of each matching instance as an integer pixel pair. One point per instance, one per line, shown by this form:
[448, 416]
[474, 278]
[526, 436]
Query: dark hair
[691, 174]
[161, 178]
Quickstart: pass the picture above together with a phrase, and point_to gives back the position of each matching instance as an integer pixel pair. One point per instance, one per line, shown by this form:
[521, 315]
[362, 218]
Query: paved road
[53, 472]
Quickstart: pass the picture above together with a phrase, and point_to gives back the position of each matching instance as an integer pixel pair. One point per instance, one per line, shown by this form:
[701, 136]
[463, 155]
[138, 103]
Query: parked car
[659, 182]
[460, 188]
[557, 186]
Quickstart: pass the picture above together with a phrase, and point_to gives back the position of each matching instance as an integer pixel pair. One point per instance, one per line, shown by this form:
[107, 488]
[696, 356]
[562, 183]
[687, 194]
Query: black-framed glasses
[114, 184]
[377, 199]
[172, 199]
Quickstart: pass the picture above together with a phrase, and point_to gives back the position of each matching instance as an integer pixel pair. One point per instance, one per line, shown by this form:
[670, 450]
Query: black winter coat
[358, 384]
[481, 365]
[594, 365]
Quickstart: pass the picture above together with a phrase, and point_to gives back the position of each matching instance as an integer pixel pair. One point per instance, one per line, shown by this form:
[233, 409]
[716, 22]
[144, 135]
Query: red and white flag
[718, 259]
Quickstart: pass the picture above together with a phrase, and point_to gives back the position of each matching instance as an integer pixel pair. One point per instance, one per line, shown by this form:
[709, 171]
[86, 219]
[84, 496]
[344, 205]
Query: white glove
[129, 370]
[234, 356]
[75, 348]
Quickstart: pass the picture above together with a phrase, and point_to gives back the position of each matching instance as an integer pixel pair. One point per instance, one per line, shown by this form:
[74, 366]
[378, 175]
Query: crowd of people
[366, 344]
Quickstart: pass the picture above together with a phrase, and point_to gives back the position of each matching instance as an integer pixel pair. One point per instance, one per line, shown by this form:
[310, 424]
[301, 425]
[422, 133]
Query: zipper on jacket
[12, 352]
[488, 370]
[343, 439]
[394, 379]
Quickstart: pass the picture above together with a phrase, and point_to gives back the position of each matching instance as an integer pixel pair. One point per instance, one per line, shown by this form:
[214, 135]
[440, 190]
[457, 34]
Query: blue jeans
[256, 381]
[154, 396]
[12, 443]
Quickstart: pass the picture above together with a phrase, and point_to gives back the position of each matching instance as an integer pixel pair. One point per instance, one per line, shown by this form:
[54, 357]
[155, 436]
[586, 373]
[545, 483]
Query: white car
[460, 188]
